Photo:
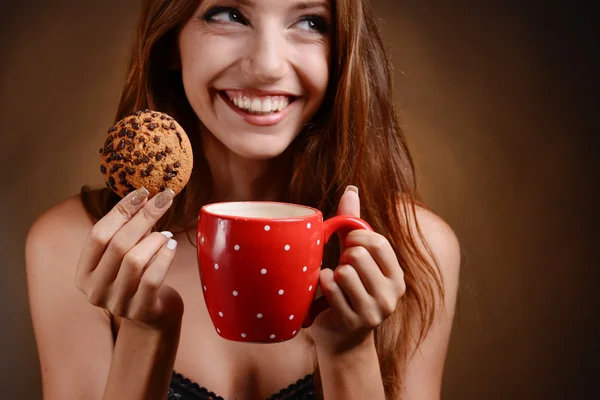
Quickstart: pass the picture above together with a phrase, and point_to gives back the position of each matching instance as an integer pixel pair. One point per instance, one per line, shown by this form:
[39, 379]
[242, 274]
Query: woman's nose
[265, 60]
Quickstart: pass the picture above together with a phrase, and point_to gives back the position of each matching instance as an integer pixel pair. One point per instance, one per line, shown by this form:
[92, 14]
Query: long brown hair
[356, 141]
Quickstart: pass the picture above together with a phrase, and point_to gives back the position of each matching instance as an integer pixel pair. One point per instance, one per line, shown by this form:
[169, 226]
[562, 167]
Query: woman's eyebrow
[305, 4]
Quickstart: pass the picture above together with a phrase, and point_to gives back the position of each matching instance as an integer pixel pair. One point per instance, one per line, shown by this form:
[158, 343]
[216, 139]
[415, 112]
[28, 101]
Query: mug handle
[342, 224]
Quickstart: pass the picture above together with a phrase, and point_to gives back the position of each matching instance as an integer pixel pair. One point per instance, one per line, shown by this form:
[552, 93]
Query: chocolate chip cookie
[149, 149]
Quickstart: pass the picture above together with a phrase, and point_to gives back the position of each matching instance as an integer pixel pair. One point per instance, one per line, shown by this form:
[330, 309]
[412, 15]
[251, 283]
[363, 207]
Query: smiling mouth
[256, 105]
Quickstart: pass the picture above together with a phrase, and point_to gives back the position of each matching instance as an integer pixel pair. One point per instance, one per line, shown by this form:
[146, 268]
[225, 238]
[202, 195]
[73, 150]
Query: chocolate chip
[115, 168]
[130, 134]
[122, 124]
[108, 159]
[169, 169]
[128, 158]
[144, 174]
[147, 119]
[163, 188]
[119, 157]
[179, 137]
[111, 181]
[154, 115]
[169, 119]
[130, 147]
[146, 110]
[100, 150]
[103, 169]
[109, 148]
[145, 159]
[123, 181]
[165, 126]
[177, 164]
[156, 139]
[151, 154]
[137, 161]
[130, 170]
[149, 168]
[152, 127]
[141, 139]
[135, 125]
[168, 150]
[122, 132]
[121, 145]
[112, 129]
[159, 157]
[169, 176]
[163, 116]
[138, 113]
[173, 125]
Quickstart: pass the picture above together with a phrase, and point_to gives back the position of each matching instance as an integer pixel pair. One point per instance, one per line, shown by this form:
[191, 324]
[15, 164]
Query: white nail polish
[172, 244]
[167, 234]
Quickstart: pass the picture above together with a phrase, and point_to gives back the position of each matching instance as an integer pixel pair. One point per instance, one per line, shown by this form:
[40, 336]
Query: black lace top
[184, 389]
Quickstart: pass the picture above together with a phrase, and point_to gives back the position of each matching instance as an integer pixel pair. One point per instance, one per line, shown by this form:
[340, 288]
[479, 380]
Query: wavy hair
[355, 140]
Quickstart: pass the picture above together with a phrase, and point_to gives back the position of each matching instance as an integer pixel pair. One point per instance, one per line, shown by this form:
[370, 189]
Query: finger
[132, 268]
[130, 234]
[335, 296]
[368, 271]
[349, 282]
[152, 279]
[380, 249]
[350, 202]
[349, 205]
[105, 228]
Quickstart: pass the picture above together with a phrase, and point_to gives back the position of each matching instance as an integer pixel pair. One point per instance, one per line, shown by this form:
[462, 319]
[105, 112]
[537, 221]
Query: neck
[236, 178]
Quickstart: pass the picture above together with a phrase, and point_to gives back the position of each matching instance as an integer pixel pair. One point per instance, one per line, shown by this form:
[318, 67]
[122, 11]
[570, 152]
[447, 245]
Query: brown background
[500, 107]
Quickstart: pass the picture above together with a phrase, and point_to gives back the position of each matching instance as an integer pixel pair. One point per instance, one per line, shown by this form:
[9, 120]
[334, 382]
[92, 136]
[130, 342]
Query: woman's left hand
[363, 291]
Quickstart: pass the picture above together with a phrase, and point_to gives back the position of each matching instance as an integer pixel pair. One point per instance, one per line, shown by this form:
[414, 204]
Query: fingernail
[167, 234]
[138, 196]
[172, 244]
[163, 198]
[352, 188]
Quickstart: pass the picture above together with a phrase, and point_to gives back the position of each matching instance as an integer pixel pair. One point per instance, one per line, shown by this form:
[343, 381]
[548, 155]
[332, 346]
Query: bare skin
[77, 348]
[86, 279]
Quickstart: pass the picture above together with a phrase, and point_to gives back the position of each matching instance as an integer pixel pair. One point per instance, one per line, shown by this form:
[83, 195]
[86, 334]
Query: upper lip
[259, 92]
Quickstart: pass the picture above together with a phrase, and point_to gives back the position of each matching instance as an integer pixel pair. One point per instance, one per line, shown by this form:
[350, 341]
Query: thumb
[350, 202]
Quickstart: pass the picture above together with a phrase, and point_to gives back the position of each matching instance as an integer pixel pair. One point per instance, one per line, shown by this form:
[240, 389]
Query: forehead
[295, 4]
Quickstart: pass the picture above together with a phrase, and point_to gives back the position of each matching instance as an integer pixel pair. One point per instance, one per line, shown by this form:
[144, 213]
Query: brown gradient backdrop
[497, 105]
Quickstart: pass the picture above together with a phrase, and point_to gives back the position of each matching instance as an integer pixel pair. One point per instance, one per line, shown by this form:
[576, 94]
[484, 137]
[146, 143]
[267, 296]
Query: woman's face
[256, 71]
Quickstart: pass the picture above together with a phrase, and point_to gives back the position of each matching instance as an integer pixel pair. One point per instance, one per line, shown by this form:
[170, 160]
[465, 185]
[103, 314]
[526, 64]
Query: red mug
[259, 265]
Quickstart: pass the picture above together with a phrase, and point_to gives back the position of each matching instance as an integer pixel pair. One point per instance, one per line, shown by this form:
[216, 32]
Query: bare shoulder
[66, 218]
[73, 337]
[434, 234]
[440, 238]
[438, 242]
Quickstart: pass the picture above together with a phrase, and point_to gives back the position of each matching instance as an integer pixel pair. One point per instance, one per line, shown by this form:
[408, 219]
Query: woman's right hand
[122, 265]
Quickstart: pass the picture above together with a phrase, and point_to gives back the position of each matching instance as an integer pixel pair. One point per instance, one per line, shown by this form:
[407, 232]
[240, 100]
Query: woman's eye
[225, 15]
[313, 23]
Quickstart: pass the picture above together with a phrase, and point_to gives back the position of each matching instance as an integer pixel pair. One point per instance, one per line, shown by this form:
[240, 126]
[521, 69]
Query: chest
[233, 370]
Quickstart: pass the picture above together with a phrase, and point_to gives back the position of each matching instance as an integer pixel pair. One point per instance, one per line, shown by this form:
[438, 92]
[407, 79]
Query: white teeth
[256, 105]
[268, 104]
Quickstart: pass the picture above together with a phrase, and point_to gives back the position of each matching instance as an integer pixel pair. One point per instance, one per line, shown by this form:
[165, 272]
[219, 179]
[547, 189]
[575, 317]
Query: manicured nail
[167, 234]
[172, 244]
[138, 196]
[163, 198]
[352, 188]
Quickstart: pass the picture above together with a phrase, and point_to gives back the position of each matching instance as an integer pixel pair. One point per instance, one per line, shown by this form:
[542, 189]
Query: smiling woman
[282, 101]
[271, 58]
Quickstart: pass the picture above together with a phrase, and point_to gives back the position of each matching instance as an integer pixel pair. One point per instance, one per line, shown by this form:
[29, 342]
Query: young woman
[286, 100]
